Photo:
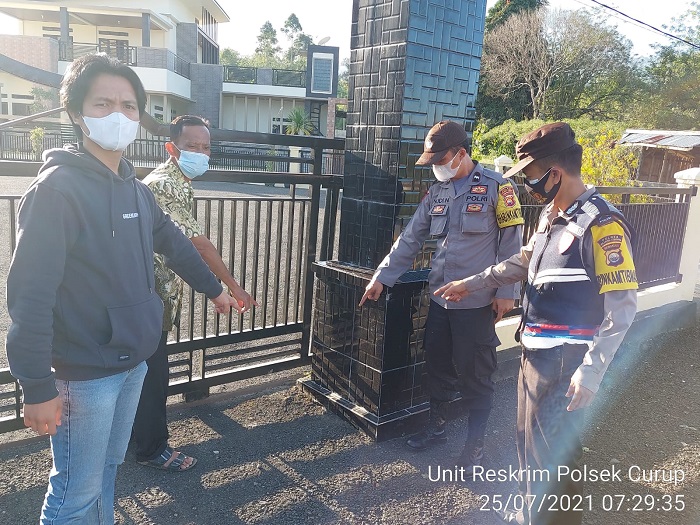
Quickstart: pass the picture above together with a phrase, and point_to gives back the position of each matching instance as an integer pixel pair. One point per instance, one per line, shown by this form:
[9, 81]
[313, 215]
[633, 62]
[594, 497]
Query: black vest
[562, 296]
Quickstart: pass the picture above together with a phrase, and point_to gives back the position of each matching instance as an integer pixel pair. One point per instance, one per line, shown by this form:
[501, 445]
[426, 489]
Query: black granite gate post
[413, 63]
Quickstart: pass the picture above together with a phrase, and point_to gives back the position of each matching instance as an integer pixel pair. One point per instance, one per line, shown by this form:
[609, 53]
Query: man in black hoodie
[81, 294]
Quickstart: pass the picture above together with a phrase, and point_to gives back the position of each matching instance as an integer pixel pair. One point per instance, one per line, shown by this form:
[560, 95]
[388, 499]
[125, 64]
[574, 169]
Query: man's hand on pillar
[373, 291]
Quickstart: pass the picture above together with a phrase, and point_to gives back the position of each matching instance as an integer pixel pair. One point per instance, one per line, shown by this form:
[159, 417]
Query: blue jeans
[89, 445]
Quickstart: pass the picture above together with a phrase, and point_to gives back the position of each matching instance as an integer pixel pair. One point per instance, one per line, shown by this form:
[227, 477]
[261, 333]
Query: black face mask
[537, 191]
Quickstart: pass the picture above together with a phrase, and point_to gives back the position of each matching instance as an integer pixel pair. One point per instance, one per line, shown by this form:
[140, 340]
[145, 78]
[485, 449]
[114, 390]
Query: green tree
[267, 41]
[670, 97]
[343, 76]
[230, 57]
[299, 42]
[503, 9]
[44, 99]
[604, 162]
[567, 62]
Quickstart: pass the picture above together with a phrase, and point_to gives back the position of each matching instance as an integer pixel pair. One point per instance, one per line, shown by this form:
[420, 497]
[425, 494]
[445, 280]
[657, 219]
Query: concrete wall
[207, 82]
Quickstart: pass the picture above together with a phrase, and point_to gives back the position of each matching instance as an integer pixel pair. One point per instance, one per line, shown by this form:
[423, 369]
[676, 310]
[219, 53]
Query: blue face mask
[193, 164]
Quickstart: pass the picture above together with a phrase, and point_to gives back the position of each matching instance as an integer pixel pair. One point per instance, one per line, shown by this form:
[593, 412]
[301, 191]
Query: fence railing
[19, 143]
[70, 51]
[127, 54]
[288, 77]
[265, 76]
[269, 243]
[241, 75]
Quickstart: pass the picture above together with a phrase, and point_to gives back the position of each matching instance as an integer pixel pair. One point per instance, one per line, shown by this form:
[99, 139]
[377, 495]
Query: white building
[173, 46]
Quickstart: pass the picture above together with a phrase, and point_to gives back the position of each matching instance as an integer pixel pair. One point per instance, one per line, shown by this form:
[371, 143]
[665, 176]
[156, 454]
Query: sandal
[175, 465]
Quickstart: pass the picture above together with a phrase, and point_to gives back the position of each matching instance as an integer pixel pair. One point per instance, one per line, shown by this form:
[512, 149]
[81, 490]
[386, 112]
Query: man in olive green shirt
[170, 182]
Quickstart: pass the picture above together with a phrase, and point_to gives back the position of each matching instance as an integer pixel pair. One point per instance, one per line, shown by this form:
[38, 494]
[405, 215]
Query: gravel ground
[269, 454]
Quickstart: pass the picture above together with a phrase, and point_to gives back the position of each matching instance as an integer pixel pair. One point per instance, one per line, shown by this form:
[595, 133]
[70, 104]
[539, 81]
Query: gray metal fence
[269, 244]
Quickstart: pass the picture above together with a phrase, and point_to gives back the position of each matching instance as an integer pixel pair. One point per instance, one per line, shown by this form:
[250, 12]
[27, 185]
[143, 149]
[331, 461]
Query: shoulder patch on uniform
[614, 267]
[508, 212]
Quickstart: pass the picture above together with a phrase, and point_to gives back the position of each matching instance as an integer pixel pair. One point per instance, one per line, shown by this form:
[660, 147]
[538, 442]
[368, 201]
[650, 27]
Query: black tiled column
[413, 63]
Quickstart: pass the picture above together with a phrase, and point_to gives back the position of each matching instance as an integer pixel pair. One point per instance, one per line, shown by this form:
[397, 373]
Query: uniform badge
[476, 177]
[611, 245]
[439, 209]
[475, 207]
[479, 190]
[508, 195]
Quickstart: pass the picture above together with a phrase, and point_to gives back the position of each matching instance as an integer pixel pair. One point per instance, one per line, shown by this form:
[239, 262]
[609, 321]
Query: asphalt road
[268, 454]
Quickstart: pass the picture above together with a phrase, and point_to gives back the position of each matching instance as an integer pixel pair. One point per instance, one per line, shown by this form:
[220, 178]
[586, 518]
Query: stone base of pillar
[367, 363]
[398, 424]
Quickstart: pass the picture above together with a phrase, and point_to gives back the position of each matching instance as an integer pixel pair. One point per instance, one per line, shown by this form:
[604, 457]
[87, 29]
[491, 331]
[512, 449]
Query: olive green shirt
[174, 194]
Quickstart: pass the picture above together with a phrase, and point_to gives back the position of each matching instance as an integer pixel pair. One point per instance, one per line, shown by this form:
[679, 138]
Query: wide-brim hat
[547, 140]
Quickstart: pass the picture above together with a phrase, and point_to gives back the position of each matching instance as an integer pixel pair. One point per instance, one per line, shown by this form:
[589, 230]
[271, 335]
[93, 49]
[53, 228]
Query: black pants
[547, 435]
[150, 432]
[460, 354]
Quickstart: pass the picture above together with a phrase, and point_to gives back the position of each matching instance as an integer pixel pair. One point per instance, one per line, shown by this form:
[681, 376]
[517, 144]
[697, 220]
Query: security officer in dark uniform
[579, 302]
[474, 215]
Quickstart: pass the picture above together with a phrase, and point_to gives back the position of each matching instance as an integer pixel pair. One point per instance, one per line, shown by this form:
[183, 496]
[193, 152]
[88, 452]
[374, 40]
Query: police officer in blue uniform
[474, 216]
[579, 302]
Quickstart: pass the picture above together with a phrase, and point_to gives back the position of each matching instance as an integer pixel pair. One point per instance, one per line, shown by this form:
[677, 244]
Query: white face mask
[444, 172]
[114, 132]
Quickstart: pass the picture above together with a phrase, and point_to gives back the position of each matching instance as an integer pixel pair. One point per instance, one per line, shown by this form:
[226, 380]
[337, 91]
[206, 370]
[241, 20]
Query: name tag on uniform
[439, 209]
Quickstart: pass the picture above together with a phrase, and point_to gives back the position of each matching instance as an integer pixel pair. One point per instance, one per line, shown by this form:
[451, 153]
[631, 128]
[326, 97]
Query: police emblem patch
[508, 195]
[480, 190]
[476, 177]
[439, 209]
[475, 207]
[611, 245]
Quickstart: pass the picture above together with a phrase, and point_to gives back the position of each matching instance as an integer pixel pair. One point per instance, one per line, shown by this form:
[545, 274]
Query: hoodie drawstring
[146, 256]
[111, 205]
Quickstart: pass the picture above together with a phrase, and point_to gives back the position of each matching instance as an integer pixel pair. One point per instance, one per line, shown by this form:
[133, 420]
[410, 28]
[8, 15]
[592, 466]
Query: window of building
[322, 73]
[20, 110]
[276, 125]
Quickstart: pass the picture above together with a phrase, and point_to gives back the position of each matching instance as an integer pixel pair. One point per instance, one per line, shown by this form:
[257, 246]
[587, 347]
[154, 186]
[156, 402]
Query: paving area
[268, 454]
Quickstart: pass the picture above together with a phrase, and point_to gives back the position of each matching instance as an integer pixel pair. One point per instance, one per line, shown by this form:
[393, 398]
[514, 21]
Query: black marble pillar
[413, 63]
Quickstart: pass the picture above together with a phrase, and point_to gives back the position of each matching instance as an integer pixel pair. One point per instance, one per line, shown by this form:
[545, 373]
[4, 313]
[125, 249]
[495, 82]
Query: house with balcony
[173, 46]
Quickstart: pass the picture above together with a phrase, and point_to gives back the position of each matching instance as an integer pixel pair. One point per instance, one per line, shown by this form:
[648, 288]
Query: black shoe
[427, 438]
[511, 516]
[436, 431]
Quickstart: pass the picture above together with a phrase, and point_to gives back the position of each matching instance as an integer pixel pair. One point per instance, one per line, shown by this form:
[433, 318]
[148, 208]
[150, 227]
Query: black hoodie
[80, 290]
